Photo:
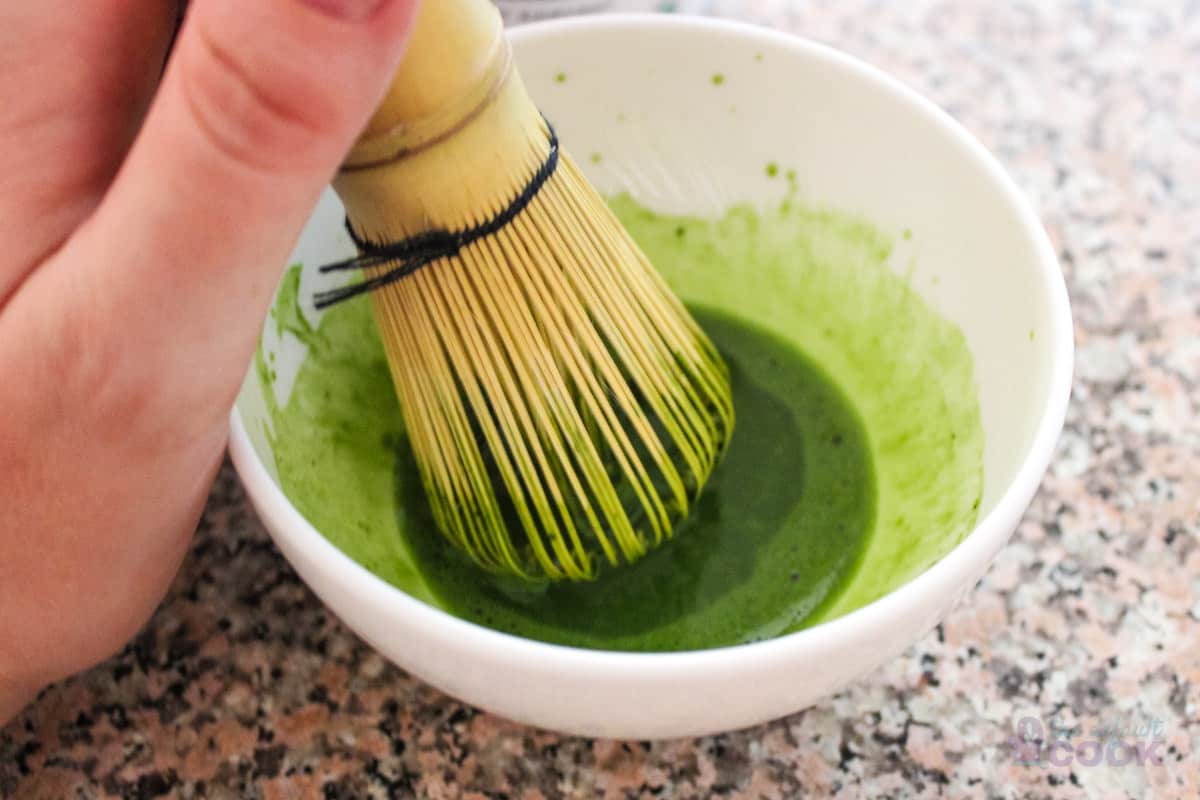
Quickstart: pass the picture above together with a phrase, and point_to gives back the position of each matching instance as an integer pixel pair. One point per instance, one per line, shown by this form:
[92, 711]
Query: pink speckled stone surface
[243, 685]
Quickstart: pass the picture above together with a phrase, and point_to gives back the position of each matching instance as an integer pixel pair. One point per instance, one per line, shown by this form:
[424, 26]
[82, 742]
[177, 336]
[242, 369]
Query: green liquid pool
[821, 504]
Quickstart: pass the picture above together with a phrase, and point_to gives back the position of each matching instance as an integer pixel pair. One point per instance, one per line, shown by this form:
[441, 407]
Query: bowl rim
[972, 553]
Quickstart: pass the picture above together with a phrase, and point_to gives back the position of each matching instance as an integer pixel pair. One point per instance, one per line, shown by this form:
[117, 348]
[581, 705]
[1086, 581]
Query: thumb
[259, 104]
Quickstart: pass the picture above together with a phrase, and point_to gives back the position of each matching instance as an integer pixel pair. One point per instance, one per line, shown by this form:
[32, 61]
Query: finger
[75, 87]
[258, 106]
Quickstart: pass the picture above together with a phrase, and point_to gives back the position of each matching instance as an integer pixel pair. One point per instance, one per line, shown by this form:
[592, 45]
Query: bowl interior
[699, 127]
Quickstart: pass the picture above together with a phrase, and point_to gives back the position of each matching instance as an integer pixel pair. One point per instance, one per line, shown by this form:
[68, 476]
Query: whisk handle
[456, 56]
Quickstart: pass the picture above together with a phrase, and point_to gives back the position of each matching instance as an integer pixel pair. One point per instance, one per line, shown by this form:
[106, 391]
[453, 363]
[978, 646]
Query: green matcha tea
[780, 536]
[779, 526]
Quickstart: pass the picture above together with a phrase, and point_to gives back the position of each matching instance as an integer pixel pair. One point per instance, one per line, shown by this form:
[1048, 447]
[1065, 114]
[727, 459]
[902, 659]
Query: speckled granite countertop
[243, 685]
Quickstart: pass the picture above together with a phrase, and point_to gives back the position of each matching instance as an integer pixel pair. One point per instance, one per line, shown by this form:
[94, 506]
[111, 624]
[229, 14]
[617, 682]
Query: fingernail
[349, 10]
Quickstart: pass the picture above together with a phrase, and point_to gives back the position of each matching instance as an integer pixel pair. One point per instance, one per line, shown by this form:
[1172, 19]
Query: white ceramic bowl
[859, 141]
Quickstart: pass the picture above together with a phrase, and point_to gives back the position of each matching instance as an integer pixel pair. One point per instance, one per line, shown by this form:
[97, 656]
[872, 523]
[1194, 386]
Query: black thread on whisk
[418, 251]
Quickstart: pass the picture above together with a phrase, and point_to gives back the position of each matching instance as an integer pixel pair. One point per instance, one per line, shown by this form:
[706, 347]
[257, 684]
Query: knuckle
[263, 119]
[114, 394]
[117, 393]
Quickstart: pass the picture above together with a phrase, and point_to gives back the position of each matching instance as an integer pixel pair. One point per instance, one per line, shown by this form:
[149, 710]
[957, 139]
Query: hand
[143, 226]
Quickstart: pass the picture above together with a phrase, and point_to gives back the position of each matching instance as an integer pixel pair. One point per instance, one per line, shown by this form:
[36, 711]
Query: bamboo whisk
[562, 405]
